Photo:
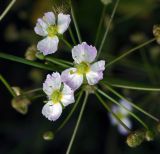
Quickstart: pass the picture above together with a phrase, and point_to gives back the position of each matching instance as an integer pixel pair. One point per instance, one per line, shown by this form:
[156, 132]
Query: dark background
[22, 134]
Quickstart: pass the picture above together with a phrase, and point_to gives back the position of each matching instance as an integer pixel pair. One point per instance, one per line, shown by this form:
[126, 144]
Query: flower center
[56, 96]
[120, 115]
[83, 68]
[52, 30]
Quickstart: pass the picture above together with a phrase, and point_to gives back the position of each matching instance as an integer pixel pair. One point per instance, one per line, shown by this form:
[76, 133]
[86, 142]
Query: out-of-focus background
[132, 25]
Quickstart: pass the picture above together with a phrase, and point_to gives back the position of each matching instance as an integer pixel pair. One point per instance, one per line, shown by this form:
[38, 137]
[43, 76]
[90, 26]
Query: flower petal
[126, 105]
[96, 72]
[52, 82]
[52, 111]
[98, 66]
[121, 129]
[49, 18]
[84, 53]
[71, 78]
[63, 22]
[41, 27]
[48, 45]
[68, 95]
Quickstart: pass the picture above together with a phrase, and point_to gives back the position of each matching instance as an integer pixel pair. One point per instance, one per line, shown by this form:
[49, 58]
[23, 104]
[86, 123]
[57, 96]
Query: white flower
[59, 94]
[83, 56]
[122, 115]
[50, 27]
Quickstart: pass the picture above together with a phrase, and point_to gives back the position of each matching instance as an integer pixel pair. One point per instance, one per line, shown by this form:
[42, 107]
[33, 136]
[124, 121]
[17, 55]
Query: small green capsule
[48, 136]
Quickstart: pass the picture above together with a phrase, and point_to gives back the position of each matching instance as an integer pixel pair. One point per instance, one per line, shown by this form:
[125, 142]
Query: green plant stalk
[100, 24]
[131, 87]
[72, 36]
[117, 103]
[108, 27]
[148, 67]
[7, 86]
[25, 61]
[130, 51]
[62, 61]
[132, 104]
[77, 124]
[66, 42]
[50, 59]
[71, 113]
[75, 24]
[109, 110]
[32, 91]
[7, 9]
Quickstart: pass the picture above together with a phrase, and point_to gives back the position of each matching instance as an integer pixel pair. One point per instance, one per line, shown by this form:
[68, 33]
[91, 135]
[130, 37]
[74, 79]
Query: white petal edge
[48, 45]
[84, 53]
[71, 78]
[52, 82]
[63, 22]
[49, 17]
[68, 95]
[52, 111]
[41, 27]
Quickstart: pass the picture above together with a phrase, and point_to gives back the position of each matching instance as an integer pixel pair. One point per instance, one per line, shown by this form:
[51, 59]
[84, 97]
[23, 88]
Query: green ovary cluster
[83, 68]
[52, 31]
[56, 96]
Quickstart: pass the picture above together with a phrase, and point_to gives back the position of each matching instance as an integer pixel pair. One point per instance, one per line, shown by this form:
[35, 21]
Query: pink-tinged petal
[41, 27]
[68, 95]
[52, 111]
[94, 77]
[84, 53]
[98, 66]
[63, 22]
[52, 82]
[49, 18]
[71, 78]
[121, 129]
[48, 45]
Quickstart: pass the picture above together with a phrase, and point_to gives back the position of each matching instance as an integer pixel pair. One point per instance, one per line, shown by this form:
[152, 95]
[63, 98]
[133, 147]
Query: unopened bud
[20, 104]
[48, 136]
[149, 135]
[17, 90]
[31, 53]
[156, 33]
[135, 139]
[40, 56]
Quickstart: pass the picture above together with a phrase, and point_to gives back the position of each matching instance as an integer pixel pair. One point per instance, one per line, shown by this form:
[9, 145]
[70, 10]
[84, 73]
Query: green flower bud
[40, 56]
[135, 139]
[20, 104]
[106, 2]
[48, 136]
[31, 53]
[149, 135]
[156, 33]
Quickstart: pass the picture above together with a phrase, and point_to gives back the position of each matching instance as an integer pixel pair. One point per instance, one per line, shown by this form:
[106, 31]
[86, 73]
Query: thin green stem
[72, 36]
[109, 110]
[132, 87]
[63, 61]
[77, 124]
[25, 61]
[71, 112]
[50, 59]
[2, 79]
[132, 104]
[7, 9]
[100, 24]
[108, 27]
[67, 43]
[32, 91]
[75, 24]
[130, 51]
[129, 112]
